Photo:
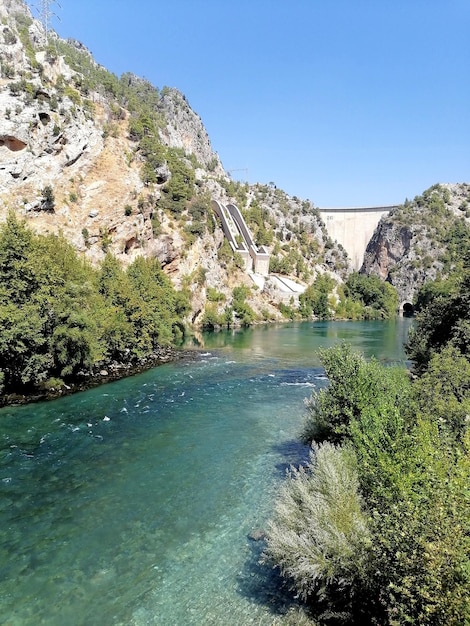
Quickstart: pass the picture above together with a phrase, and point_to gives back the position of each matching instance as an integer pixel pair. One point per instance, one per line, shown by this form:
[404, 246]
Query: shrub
[48, 198]
[86, 237]
[374, 293]
[214, 296]
[397, 552]
[319, 536]
[211, 318]
[354, 386]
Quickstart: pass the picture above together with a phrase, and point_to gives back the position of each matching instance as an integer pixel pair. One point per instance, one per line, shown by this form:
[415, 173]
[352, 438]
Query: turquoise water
[131, 503]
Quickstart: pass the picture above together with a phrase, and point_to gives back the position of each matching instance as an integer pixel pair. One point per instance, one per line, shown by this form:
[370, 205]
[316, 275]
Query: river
[131, 503]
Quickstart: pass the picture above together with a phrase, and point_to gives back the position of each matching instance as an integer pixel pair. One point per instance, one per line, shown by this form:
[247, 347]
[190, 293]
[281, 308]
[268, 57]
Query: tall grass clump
[319, 536]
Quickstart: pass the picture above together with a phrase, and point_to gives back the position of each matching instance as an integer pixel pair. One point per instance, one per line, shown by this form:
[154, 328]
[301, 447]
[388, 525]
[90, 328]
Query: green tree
[379, 298]
[315, 299]
[241, 308]
[443, 391]
[354, 385]
[59, 317]
[17, 271]
[443, 319]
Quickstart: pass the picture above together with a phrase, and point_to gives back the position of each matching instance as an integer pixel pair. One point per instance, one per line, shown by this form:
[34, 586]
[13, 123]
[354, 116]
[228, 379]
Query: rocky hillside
[421, 240]
[118, 165]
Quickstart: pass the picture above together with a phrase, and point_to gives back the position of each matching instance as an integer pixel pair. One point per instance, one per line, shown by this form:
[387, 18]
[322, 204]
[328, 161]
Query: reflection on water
[299, 341]
[132, 503]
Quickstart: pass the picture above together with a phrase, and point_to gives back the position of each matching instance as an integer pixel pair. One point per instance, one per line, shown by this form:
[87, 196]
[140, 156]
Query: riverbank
[102, 374]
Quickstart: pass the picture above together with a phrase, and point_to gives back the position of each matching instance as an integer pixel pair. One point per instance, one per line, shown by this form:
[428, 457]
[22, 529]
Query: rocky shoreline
[103, 374]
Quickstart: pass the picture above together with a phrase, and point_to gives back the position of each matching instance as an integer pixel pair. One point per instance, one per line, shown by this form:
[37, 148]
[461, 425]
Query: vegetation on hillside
[425, 238]
[60, 318]
[375, 529]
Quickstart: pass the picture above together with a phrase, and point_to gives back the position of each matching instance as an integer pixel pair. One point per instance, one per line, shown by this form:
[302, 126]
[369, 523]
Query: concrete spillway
[256, 258]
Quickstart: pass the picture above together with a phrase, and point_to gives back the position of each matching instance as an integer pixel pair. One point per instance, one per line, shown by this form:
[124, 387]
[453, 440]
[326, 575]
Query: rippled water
[132, 503]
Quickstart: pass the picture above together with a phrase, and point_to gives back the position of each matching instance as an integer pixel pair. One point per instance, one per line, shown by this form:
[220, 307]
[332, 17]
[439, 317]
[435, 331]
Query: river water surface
[131, 503]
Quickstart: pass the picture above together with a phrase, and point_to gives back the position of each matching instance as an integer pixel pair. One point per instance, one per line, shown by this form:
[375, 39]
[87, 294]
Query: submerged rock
[257, 534]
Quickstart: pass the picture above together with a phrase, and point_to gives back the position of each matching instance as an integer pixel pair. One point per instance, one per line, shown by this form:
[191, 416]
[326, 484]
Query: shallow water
[131, 503]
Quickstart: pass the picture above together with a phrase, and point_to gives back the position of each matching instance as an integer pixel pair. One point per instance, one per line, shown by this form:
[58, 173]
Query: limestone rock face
[411, 245]
[10, 7]
[184, 129]
[38, 143]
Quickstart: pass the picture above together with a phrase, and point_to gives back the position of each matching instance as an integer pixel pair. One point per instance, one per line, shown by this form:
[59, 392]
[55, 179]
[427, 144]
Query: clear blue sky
[344, 102]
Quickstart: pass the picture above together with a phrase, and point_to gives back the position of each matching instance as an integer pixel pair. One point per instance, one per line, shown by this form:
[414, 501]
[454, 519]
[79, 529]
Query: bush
[319, 537]
[48, 198]
[407, 447]
[374, 294]
[211, 318]
[443, 319]
[354, 386]
[242, 310]
[59, 316]
[214, 296]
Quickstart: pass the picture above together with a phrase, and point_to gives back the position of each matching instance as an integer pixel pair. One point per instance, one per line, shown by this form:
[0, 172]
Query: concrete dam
[353, 228]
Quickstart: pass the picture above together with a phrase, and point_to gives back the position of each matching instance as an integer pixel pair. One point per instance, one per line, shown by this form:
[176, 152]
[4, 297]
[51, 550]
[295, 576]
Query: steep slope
[117, 165]
[421, 240]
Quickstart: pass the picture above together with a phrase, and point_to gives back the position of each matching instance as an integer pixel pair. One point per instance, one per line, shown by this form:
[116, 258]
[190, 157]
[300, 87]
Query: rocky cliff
[119, 166]
[421, 240]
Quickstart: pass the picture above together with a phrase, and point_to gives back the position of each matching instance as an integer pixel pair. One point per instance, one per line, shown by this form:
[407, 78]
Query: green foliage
[432, 226]
[379, 298]
[105, 239]
[319, 537]
[241, 308]
[23, 22]
[86, 237]
[141, 99]
[48, 198]
[198, 211]
[288, 311]
[256, 219]
[315, 299]
[409, 448]
[225, 253]
[280, 264]
[60, 317]
[73, 95]
[180, 187]
[23, 87]
[416, 490]
[443, 391]
[443, 319]
[227, 257]
[354, 386]
[211, 318]
[228, 316]
[7, 69]
[214, 296]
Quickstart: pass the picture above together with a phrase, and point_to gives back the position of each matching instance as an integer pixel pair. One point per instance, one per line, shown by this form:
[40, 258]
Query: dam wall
[353, 228]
